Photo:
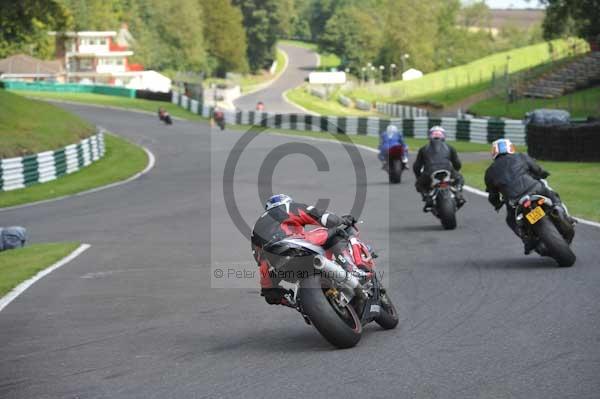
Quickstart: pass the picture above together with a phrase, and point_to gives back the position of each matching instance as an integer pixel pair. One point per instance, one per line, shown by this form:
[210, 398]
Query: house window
[85, 64]
[103, 42]
[119, 62]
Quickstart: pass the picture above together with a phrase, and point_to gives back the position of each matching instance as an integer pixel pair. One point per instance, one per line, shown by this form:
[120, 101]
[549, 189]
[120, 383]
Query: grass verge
[114, 101]
[581, 104]
[576, 182]
[18, 265]
[474, 73]
[28, 127]
[300, 97]
[121, 160]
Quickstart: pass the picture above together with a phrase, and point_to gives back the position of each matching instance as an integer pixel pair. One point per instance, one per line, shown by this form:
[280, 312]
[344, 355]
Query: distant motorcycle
[396, 163]
[338, 303]
[444, 198]
[219, 118]
[164, 116]
[547, 226]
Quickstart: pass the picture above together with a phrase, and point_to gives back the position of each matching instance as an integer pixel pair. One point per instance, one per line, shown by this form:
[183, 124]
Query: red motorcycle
[338, 301]
[396, 162]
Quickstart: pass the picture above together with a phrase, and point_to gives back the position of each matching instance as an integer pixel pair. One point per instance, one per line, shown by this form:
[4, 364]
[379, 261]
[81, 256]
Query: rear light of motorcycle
[444, 185]
[541, 201]
[527, 204]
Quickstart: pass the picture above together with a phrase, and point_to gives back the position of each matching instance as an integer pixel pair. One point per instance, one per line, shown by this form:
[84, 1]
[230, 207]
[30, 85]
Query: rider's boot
[428, 202]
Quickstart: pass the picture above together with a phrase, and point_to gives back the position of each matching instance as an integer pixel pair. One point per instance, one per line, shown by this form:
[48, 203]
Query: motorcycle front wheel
[340, 326]
[388, 317]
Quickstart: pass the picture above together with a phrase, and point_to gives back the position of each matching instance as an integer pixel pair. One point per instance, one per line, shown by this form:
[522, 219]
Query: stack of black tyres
[576, 142]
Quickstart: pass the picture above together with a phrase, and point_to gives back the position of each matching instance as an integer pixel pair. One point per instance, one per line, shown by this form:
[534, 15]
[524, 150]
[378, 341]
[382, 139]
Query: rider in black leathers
[513, 175]
[434, 156]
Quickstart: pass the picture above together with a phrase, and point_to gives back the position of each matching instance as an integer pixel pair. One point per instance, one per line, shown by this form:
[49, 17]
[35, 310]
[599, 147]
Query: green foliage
[225, 36]
[262, 26]
[568, 17]
[24, 26]
[341, 36]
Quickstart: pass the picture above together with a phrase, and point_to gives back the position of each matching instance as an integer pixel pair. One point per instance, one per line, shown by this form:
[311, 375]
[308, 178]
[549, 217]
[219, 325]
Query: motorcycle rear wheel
[395, 171]
[446, 211]
[340, 327]
[554, 242]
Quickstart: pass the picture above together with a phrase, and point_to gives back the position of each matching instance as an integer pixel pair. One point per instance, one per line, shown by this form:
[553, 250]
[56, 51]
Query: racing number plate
[535, 215]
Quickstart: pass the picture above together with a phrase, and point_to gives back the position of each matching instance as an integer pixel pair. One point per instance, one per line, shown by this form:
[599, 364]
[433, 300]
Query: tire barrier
[473, 130]
[568, 142]
[153, 95]
[46, 166]
[401, 111]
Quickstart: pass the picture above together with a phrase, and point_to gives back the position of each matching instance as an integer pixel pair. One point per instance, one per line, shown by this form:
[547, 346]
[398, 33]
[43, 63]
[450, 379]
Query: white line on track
[19, 289]
[470, 189]
[149, 166]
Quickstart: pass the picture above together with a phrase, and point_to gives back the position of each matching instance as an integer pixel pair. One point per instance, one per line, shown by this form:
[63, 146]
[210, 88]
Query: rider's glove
[341, 232]
[348, 220]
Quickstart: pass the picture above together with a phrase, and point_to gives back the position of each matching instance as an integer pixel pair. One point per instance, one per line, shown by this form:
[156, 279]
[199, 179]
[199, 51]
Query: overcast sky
[510, 3]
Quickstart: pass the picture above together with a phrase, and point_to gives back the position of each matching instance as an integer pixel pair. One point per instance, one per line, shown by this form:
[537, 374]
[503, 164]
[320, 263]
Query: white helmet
[502, 146]
[391, 130]
[276, 200]
[437, 133]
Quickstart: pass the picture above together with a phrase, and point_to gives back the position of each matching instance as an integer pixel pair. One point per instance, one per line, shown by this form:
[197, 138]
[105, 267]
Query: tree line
[219, 36]
[212, 36]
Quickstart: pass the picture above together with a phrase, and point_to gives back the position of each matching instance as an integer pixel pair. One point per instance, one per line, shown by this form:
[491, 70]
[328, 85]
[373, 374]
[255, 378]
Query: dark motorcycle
[165, 117]
[547, 226]
[337, 301]
[396, 162]
[219, 118]
[444, 198]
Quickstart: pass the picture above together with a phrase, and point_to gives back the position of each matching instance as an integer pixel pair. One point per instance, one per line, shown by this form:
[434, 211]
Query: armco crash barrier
[569, 142]
[28, 170]
[473, 130]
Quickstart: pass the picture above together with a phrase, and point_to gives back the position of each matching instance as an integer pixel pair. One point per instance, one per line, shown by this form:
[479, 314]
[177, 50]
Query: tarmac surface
[138, 315]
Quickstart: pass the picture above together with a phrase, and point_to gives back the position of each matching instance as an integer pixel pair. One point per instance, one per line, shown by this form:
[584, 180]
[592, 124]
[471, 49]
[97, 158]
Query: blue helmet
[276, 200]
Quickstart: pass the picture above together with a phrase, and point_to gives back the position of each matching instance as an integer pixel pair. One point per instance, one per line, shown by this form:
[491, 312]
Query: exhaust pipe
[337, 273]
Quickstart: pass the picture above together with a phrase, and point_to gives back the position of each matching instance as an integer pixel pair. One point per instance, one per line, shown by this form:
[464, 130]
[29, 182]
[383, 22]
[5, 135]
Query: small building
[102, 57]
[93, 56]
[26, 68]
[411, 74]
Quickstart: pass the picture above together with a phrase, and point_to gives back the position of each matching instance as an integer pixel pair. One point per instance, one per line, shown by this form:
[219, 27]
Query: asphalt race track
[135, 316]
[301, 62]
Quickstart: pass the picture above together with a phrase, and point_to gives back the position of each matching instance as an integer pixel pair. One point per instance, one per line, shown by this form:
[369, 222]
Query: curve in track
[301, 62]
[135, 316]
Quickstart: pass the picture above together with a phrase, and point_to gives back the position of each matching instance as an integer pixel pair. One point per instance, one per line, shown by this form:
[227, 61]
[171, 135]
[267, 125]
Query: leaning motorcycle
[338, 301]
[396, 162]
[547, 226]
[219, 118]
[443, 194]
